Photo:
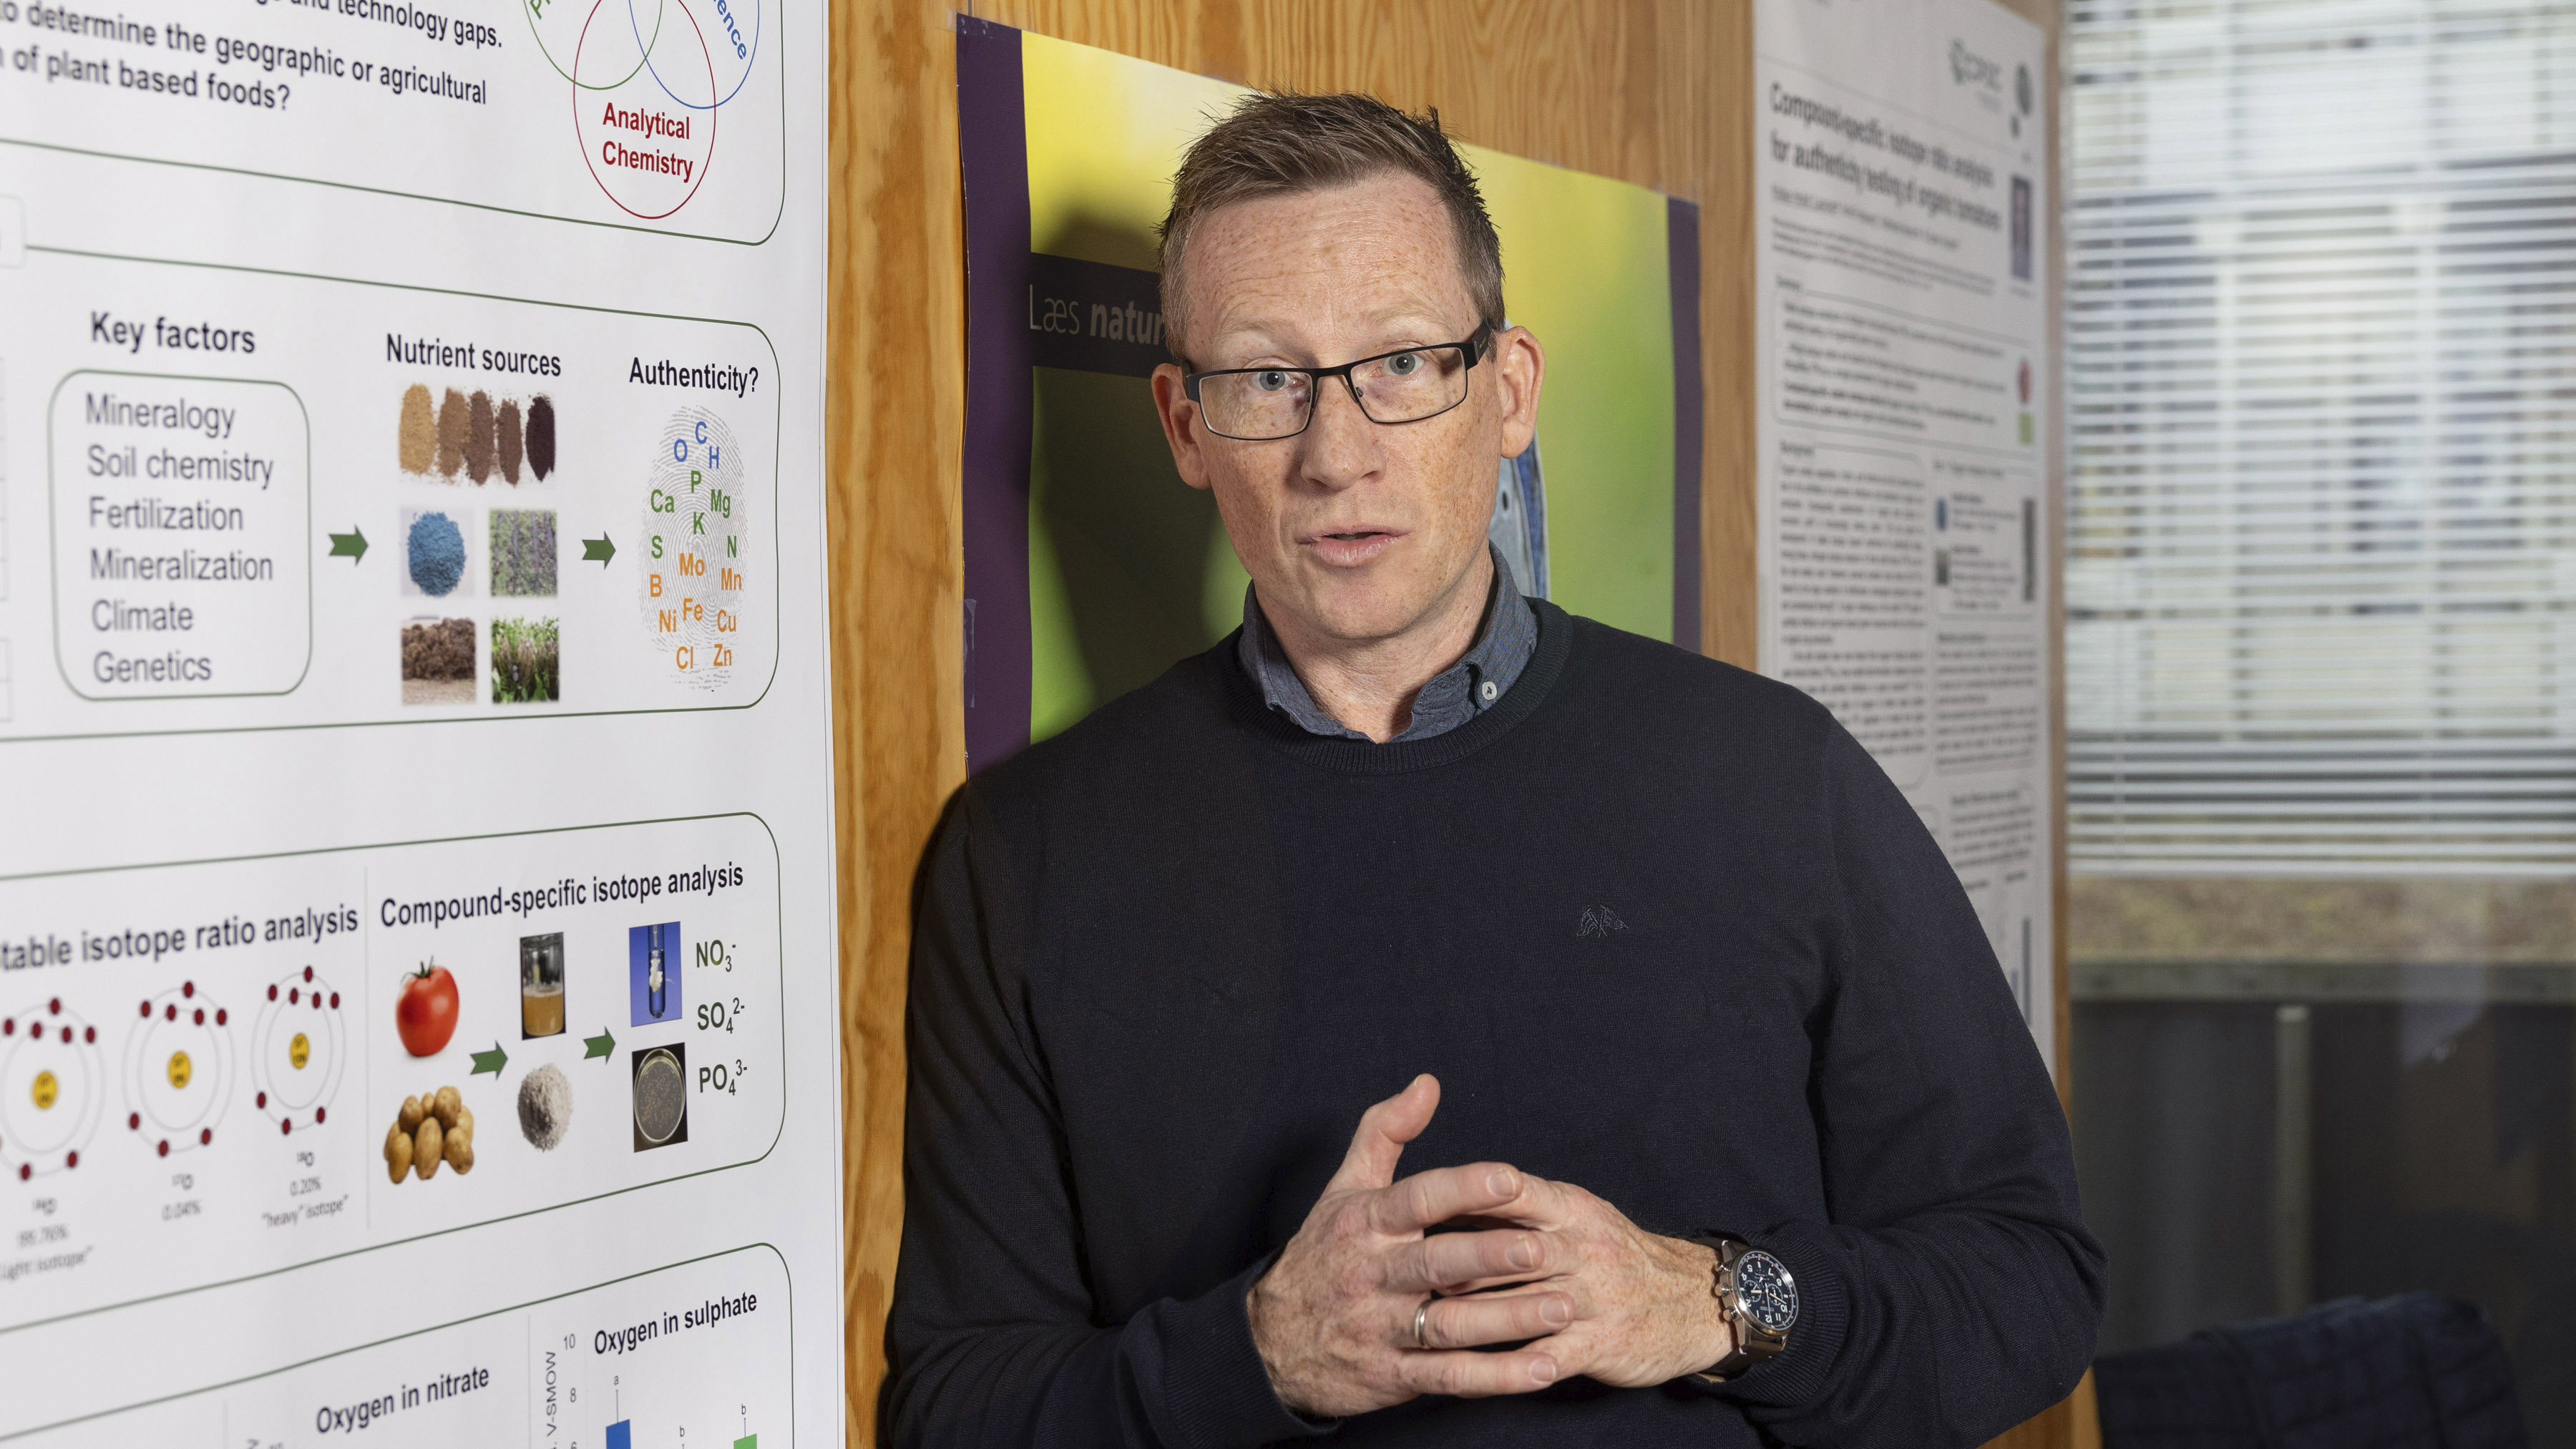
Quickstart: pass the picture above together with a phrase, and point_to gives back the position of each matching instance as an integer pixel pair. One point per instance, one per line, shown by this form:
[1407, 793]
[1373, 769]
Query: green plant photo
[526, 668]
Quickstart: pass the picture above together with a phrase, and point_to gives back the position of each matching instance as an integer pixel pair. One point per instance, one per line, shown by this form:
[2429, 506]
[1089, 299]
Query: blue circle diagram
[728, 35]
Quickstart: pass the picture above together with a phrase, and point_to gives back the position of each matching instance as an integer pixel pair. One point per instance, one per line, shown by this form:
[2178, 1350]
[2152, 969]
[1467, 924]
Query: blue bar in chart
[621, 1435]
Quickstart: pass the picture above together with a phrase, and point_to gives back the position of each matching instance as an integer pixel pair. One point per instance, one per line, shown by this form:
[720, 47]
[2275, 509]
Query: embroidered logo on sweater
[1597, 924]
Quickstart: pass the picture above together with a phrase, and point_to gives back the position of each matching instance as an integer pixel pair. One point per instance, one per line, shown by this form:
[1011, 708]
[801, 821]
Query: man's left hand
[1644, 1307]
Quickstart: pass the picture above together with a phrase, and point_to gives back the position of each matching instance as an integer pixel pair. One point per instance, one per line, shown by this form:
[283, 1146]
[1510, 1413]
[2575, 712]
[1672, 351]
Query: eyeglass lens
[1277, 402]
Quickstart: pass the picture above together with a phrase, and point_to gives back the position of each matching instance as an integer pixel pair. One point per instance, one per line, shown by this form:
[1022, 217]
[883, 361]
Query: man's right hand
[1334, 1317]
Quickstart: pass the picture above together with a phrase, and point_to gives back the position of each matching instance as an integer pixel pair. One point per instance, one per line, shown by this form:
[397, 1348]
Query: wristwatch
[1760, 1299]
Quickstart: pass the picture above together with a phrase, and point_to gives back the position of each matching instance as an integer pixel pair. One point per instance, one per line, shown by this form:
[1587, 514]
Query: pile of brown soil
[419, 430]
[508, 440]
[478, 436]
[452, 429]
[443, 650]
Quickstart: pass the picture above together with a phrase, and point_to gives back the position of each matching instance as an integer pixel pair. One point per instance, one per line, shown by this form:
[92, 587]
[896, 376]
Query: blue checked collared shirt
[1454, 696]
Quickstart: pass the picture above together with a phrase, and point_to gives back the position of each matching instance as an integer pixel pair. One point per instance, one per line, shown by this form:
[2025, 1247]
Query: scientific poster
[1901, 197]
[1090, 567]
[416, 948]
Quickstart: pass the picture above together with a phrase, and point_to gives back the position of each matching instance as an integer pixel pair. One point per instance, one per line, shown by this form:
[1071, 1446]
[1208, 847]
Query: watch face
[1764, 1290]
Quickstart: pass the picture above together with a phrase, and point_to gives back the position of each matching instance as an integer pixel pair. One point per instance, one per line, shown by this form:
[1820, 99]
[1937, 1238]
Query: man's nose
[1341, 443]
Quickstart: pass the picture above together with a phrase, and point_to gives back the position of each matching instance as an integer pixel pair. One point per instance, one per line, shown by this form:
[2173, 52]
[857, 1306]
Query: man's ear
[1519, 367]
[1180, 425]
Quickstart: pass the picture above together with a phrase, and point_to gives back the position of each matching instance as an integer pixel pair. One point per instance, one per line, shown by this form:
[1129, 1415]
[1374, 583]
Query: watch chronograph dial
[1765, 1292]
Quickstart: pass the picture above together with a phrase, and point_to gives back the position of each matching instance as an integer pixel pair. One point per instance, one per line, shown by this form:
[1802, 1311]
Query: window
[2321, 657]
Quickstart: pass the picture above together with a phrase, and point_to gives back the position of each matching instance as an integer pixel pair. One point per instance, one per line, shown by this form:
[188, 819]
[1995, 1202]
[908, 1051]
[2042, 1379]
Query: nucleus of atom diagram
[649, 80]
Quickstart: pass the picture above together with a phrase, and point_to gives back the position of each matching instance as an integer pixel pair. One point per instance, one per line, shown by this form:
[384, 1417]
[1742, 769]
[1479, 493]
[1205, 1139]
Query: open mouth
[1348, 548]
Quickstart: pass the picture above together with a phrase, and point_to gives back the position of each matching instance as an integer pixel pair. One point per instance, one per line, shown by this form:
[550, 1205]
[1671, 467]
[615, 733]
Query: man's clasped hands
[1392, 1289]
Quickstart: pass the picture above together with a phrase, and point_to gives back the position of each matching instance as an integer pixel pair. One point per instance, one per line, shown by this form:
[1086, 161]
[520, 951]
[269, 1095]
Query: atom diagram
[52, 1088]
[178, 1069]
[298, 1048]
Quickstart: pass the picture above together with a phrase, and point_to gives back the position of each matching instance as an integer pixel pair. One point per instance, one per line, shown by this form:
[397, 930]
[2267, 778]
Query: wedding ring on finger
[1422, 1322]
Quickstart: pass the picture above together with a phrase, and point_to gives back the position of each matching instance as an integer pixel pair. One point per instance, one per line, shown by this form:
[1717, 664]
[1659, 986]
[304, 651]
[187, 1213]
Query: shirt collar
[1504, 643]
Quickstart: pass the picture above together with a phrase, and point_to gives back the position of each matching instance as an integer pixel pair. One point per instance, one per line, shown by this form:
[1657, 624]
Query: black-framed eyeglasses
[1265, 404]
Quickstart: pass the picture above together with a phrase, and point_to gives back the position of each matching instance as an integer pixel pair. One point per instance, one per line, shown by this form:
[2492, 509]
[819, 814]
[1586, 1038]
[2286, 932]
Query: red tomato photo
[426, 1014]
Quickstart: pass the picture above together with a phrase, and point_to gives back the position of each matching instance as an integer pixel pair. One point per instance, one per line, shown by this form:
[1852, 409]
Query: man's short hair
[1279, 144]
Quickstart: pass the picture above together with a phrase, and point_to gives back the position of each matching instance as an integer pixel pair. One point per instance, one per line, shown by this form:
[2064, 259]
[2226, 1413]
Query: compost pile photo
[438, 661]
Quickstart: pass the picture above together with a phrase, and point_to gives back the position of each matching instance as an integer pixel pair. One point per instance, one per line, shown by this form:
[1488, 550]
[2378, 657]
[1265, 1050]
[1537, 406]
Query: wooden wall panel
[1650, 91]
[894, 416]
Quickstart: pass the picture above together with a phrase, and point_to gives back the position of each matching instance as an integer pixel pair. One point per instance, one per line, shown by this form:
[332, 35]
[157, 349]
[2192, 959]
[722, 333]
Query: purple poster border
[1681, 250]
[993, 155]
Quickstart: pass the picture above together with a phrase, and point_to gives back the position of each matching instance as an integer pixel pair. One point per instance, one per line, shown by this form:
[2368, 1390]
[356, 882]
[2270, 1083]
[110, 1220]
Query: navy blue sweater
[1163, 961]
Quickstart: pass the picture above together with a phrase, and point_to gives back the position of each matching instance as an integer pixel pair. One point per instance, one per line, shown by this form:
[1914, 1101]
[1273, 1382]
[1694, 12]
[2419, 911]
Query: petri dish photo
[661, 1098]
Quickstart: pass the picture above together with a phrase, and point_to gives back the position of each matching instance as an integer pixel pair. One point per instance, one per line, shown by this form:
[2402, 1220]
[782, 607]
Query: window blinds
[2321, 389]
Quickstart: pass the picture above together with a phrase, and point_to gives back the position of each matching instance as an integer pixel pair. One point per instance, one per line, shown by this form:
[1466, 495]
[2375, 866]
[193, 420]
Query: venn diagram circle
[647, 155]
[648, 78]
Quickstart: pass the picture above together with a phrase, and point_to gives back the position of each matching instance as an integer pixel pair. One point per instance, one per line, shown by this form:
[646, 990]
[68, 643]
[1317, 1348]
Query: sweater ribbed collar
[1359, 756]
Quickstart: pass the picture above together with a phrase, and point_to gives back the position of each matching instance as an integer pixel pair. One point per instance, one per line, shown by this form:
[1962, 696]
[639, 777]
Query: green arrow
[598, 1046]
[492, 1061]
[598, 548]
[352, 544]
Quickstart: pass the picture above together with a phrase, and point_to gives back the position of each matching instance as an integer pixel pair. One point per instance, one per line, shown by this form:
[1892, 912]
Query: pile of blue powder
[437, 554]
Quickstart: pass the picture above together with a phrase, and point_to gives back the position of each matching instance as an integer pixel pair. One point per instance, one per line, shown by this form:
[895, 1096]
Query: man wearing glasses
[1725, 1123]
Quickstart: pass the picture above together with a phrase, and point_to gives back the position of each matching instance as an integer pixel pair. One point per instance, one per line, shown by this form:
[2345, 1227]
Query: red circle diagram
[647, 153]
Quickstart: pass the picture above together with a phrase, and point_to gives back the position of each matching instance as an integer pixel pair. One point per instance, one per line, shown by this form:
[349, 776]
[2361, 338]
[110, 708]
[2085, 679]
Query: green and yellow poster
[1090, 567]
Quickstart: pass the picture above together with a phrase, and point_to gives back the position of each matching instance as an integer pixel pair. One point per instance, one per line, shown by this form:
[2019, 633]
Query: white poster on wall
[417, 986]
[1901, 194]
